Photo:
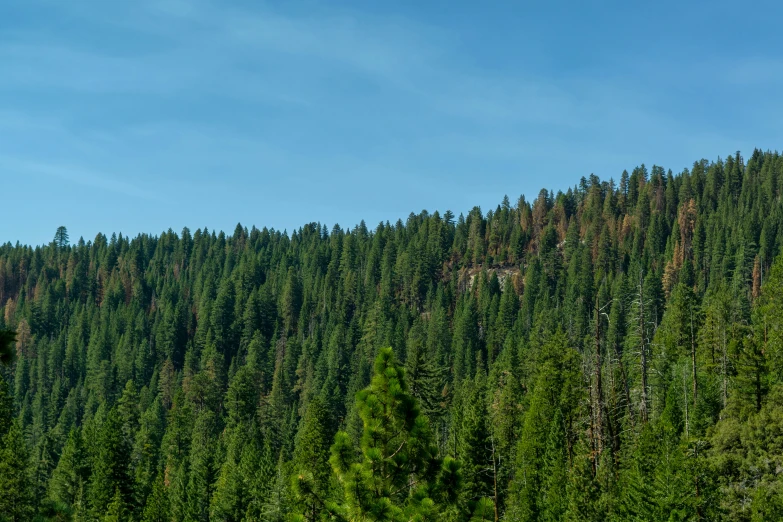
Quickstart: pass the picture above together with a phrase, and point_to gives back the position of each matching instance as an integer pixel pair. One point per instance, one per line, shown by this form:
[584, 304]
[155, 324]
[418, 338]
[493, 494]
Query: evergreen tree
[399, 474]
[188, 376]
[156, 507]
[230, 498]
[311, 478]
[61, 237]
[201, 468]
[425, 378]
[117, 510]
[69, 478]
[477, 451]
[6, 407]
[555, 467]
[111, 481]
[16, 502]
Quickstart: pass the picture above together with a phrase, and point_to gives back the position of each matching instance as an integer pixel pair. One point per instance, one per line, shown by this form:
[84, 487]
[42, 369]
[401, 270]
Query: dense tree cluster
[612, 352]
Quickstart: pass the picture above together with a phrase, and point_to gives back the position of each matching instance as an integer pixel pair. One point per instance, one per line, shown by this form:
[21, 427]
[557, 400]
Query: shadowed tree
[7, 347]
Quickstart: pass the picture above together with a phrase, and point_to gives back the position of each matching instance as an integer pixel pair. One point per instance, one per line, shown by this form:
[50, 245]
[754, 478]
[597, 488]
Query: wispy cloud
[76, 175]
[203, 99]
[301, 58]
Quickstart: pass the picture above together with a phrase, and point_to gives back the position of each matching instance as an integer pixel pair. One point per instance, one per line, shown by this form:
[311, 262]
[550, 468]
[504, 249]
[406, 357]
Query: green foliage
[157, 505]
[538, 490]
[476, 449]
[61, 237]
[16, 501]
[71, 475]
[201, 467]
[311, 479]
[607, 352]
[111, 483]
[6, 407]
[399, 475]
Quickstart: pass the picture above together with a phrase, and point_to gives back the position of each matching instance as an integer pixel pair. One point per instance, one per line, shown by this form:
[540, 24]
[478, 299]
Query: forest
[609, 352]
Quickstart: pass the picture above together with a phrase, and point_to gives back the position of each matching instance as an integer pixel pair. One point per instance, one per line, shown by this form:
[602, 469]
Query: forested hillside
[611, 352]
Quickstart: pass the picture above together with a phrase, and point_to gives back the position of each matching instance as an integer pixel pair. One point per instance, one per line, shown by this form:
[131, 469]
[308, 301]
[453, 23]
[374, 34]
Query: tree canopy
[613, 351]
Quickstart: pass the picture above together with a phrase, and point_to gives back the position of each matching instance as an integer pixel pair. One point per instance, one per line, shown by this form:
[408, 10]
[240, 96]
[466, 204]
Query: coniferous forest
[613, 352]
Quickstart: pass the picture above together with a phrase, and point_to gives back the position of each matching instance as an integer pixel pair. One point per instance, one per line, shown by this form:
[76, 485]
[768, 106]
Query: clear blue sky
[120, 116]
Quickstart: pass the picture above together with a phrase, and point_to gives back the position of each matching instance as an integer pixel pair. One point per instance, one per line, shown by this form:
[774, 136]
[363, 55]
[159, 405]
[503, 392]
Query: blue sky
[147, 115]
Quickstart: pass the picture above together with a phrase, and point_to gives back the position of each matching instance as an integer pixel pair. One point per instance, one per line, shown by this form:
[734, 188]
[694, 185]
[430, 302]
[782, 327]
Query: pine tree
[669, 406]
[72, 472]
[117, 510]
[201, 468]
[275, 507]
[311, 461]
[399, 474]
[291, 301]
[257, 472]
[61, 237]
[638, 493]
[477, 450]
[156, 508]
[111, 475]
[769, 321]
[425, 378]
[6, 407]
[229, 500]
[556, 389]
[176, 448]
[16, 500]
[554, 500]
[484, 511]
[583, 490]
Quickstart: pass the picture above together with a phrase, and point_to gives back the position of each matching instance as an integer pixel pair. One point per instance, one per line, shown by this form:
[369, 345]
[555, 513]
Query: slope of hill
[613, 352]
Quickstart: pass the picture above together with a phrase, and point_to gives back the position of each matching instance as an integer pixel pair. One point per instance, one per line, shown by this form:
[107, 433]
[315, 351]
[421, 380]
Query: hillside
[611, 352]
